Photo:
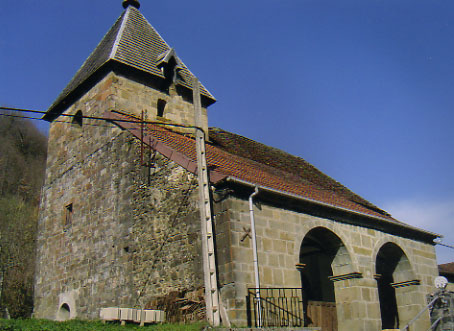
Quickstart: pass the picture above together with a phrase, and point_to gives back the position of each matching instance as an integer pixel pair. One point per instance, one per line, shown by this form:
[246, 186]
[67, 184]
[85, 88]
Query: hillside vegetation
[22, 164]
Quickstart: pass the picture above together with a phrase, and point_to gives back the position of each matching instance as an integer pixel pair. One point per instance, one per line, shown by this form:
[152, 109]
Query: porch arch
[323, 257]
[338, 233]
[381, 242]
[395, 279]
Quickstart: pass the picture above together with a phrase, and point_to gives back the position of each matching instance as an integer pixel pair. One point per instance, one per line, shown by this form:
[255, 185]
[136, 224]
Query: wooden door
[322, 314]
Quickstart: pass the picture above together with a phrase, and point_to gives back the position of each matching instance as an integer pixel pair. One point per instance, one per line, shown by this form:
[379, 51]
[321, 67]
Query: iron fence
[279, 307]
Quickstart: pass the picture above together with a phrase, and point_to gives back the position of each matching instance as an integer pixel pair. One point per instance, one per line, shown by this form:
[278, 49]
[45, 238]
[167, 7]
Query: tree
[22, 164]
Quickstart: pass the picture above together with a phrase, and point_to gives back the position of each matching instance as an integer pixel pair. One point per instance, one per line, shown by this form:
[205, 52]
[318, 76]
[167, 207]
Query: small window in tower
[68, 215]
[77, 119]
[161, 107]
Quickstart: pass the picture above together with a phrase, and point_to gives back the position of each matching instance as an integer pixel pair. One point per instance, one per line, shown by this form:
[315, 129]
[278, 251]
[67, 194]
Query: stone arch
[380, 243]
[64, 312]
[323, 258]
[66, 308]
[395, 284]
[341, 235]
[322, 255]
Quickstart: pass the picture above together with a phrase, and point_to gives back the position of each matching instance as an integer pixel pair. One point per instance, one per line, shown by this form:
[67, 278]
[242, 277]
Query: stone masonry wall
[121, 248]
[166, 246]
[83, 264]
[134, 97]
[280, 233]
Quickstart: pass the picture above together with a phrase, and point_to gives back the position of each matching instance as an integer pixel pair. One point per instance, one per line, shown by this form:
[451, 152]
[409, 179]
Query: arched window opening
[64, 313]
[392, 266]
[77, 119]
[161, 106]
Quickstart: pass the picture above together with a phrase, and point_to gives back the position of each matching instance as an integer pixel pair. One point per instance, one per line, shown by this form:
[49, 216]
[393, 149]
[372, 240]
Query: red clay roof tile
[446, 269]
[230, 155]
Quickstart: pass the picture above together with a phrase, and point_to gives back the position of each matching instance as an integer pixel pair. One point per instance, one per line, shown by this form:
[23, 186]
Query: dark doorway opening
[391, 266]
[64, 313]
[320, 253]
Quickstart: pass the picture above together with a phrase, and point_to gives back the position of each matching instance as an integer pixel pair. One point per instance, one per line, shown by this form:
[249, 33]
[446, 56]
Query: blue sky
[361, 89]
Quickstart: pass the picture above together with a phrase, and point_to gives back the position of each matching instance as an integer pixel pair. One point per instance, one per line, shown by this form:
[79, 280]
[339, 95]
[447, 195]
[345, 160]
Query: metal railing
[279, 307]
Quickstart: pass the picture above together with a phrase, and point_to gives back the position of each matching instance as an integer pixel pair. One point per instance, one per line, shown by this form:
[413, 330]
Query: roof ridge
[132, 43]
[321, 180]
[225, 166]
[120, 33]
[90, 65]
[275, 172]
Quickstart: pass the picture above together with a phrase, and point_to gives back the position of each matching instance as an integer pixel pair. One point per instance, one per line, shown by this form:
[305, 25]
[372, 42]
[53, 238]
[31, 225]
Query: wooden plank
[322, 314]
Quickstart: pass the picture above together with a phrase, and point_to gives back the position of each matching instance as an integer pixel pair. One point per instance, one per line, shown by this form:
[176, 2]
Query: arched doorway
[392, 268]
[322, 255]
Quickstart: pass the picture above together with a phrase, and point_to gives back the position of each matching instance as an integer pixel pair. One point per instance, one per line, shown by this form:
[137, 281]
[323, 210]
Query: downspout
[256, 262]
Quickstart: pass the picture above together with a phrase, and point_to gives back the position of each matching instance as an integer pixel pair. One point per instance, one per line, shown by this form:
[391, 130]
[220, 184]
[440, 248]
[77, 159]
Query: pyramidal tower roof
[132, 42]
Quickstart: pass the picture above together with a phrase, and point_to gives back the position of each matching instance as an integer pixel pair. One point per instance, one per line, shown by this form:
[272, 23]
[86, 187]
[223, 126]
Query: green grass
[76, 325]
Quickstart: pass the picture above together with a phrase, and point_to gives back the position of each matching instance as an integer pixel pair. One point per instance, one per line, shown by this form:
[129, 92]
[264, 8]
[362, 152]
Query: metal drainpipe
[256, 262]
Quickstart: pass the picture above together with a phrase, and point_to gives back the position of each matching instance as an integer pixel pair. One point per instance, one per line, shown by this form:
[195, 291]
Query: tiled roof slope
[232, 156]
[446, 269]
[278, 159]
[131, 41]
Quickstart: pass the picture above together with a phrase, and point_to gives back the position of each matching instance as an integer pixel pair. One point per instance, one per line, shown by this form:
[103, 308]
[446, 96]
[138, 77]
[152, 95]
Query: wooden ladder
[209, 258]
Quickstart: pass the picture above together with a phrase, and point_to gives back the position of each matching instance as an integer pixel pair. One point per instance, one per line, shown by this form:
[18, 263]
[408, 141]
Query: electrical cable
[20, 116]
[187, 192]
[445, 245]
[108, 120]
[102, 118]
[56, 121]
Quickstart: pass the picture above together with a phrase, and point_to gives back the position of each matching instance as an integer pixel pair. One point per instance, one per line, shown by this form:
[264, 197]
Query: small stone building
[119, 220]
[442, 309]
[447, 270]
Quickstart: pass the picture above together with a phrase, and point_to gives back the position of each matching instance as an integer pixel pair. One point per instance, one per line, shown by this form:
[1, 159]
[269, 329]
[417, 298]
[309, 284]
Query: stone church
[120, 224]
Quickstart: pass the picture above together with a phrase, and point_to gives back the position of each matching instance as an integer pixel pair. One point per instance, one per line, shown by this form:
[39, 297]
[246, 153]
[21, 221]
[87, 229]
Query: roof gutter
[324, 204]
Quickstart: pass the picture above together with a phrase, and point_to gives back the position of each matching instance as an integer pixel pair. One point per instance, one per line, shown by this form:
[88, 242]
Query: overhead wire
[55, 121]
[444, 245]
[20, 116]
[109, 120]
[101, 118]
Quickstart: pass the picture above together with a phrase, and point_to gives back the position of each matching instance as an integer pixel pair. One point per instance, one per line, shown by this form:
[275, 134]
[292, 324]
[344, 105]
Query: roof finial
[134, 3]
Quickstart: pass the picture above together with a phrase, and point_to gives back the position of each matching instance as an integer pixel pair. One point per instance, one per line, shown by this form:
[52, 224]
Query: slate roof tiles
[131, 41]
